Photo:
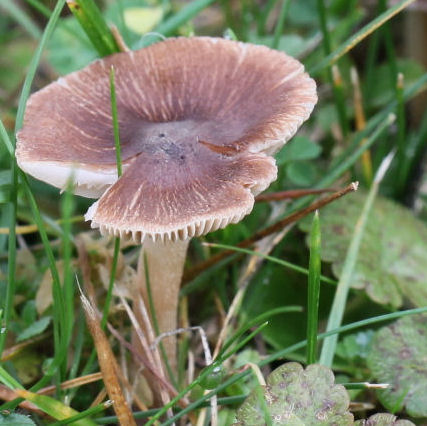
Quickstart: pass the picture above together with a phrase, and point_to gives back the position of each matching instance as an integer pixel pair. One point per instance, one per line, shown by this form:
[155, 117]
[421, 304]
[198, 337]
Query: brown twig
[294, 217]
[290, 195]
[69, 384]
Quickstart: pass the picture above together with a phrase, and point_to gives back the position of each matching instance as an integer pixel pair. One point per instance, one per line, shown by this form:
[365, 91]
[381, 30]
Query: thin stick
[69, 384]
[294, 217]
[291, 194]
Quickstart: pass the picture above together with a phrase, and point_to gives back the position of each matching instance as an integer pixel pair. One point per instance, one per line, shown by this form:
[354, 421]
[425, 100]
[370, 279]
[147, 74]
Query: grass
[263, 331]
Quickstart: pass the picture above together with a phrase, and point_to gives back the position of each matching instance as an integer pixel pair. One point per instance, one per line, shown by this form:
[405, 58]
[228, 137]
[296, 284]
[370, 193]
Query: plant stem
[313, 290]
[340, 299]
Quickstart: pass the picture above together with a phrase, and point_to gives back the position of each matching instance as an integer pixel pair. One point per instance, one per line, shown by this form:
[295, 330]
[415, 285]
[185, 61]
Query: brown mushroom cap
[198, 119]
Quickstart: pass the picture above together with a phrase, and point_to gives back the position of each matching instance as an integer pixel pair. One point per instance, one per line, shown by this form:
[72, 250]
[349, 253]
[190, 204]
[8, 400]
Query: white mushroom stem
[165, 262]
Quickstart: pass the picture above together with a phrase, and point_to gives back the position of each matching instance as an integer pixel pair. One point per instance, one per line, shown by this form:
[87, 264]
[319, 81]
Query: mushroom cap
[198, 117]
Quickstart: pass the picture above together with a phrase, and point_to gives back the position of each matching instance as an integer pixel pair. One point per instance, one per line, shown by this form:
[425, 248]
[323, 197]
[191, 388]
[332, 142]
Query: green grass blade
[184, 15]
[359, 36]
[257, 320]
[389, 43]
[349, 160]
[326, 37]
[6, 140]
[280, 23]
[26, 89]
[77, 345]
[10, 144]
[84, 414]
[333, 73]
[59, 319]
[91, 20]
[11, 266]
[115, 119]
[59, 309]
[313, 290]
[8, 380]
[340, 299]
[272, 259]
[19, 15]
[401, 154]
[40, 7]
[67, 208]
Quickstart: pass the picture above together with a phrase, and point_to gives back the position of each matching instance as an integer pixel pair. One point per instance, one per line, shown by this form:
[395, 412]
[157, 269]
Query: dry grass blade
[7, 394]
[108, 365]
[123, 47]
[143, 361]
[15, 350]
[276, 227]
[154, 359]
[69, 384]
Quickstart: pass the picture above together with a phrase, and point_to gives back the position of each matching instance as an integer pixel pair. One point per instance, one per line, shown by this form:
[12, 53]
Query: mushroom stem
[165, 261]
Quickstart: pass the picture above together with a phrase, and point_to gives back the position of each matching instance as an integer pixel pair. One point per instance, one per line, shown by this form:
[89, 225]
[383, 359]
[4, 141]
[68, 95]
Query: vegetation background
[370, 125]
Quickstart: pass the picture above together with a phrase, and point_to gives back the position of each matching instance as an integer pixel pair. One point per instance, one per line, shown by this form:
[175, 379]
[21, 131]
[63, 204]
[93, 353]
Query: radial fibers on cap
[199, 118]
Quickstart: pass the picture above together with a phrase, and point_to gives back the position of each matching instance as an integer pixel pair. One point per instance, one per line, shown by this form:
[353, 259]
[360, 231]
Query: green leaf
[391, 260]
[54, 408]
[383, 419]
[355, 347]
[15, 420]
[398, 357]
[302, 173]
[299, 148]
[34, 329]
[92, 21]
[294, 396]
[29, 312]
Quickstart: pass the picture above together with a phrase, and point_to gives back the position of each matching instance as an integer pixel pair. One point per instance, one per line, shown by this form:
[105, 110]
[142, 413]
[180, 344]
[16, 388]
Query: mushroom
[199, 120]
